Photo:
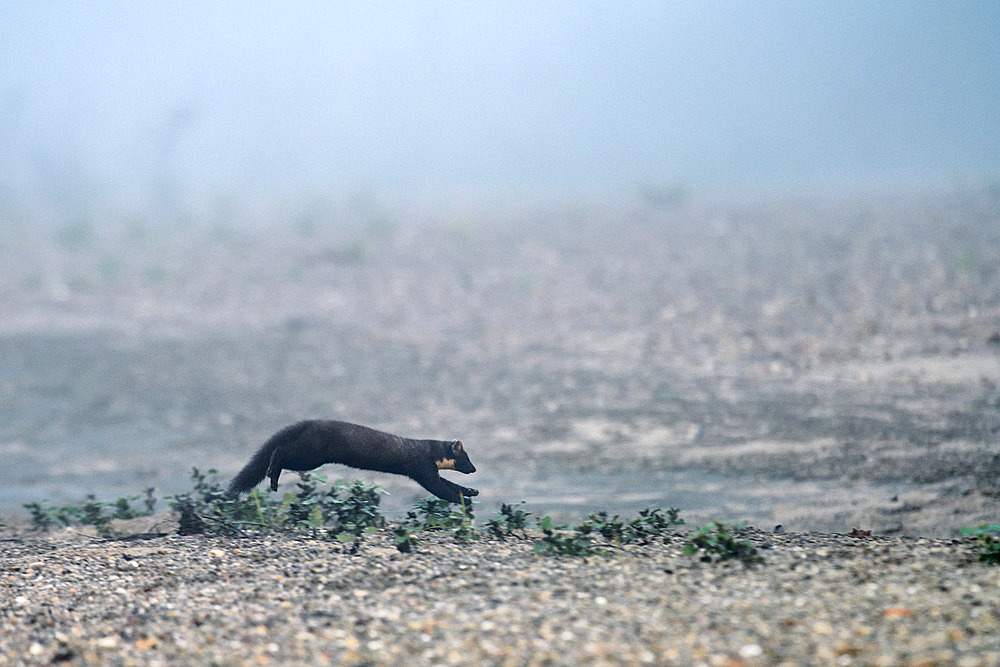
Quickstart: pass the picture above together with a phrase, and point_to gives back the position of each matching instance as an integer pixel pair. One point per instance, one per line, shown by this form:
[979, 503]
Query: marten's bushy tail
[253, 472]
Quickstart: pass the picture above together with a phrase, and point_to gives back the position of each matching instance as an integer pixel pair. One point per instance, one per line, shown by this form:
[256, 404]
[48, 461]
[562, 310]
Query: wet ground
[820, 363]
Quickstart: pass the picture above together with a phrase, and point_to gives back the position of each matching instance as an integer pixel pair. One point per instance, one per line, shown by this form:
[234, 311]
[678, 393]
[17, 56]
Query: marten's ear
[456, 446]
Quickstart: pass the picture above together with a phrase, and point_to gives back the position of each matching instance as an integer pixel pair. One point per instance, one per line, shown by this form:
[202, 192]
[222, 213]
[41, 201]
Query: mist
[628, 253]
[164, 104]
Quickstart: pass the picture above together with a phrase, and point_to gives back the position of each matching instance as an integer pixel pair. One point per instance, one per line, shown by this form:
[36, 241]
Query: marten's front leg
[445, 489]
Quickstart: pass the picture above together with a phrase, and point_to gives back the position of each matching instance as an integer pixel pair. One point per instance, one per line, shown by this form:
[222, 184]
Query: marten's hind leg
[274, 468]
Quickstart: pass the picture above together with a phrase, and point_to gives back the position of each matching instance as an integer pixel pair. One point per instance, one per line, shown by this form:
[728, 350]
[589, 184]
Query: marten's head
[455, 458]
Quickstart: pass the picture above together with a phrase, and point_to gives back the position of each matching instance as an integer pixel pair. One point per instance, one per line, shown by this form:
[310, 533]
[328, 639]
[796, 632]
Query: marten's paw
[470, 492]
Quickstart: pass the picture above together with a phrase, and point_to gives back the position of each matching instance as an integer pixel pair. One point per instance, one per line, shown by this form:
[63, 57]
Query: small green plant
[988, 536]
[600, 531]
[149, 501]
[432, 513]
[351, 511]
[302, 508]
[560, 541]
[610, 528]
[510, 521]
[465, 531]
[652, 523]
[717, 542]
[207, 508]
[614, 531]
[405, 540]
[345, 512]
[91, 512]
[123, 506]
[356, 508]
[44, 516]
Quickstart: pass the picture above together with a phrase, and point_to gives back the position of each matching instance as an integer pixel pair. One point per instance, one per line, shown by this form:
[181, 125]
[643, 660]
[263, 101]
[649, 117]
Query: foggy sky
[451, 96]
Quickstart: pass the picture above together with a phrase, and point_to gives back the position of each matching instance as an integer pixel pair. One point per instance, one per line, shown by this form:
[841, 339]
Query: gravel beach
[280, 599]
[824, 363]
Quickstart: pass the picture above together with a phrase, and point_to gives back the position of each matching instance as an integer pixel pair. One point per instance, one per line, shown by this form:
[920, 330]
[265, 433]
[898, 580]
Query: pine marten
[309, 444]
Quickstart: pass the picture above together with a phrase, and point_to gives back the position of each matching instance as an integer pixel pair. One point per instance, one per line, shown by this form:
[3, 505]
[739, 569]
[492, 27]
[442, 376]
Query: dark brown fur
[309, 444]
